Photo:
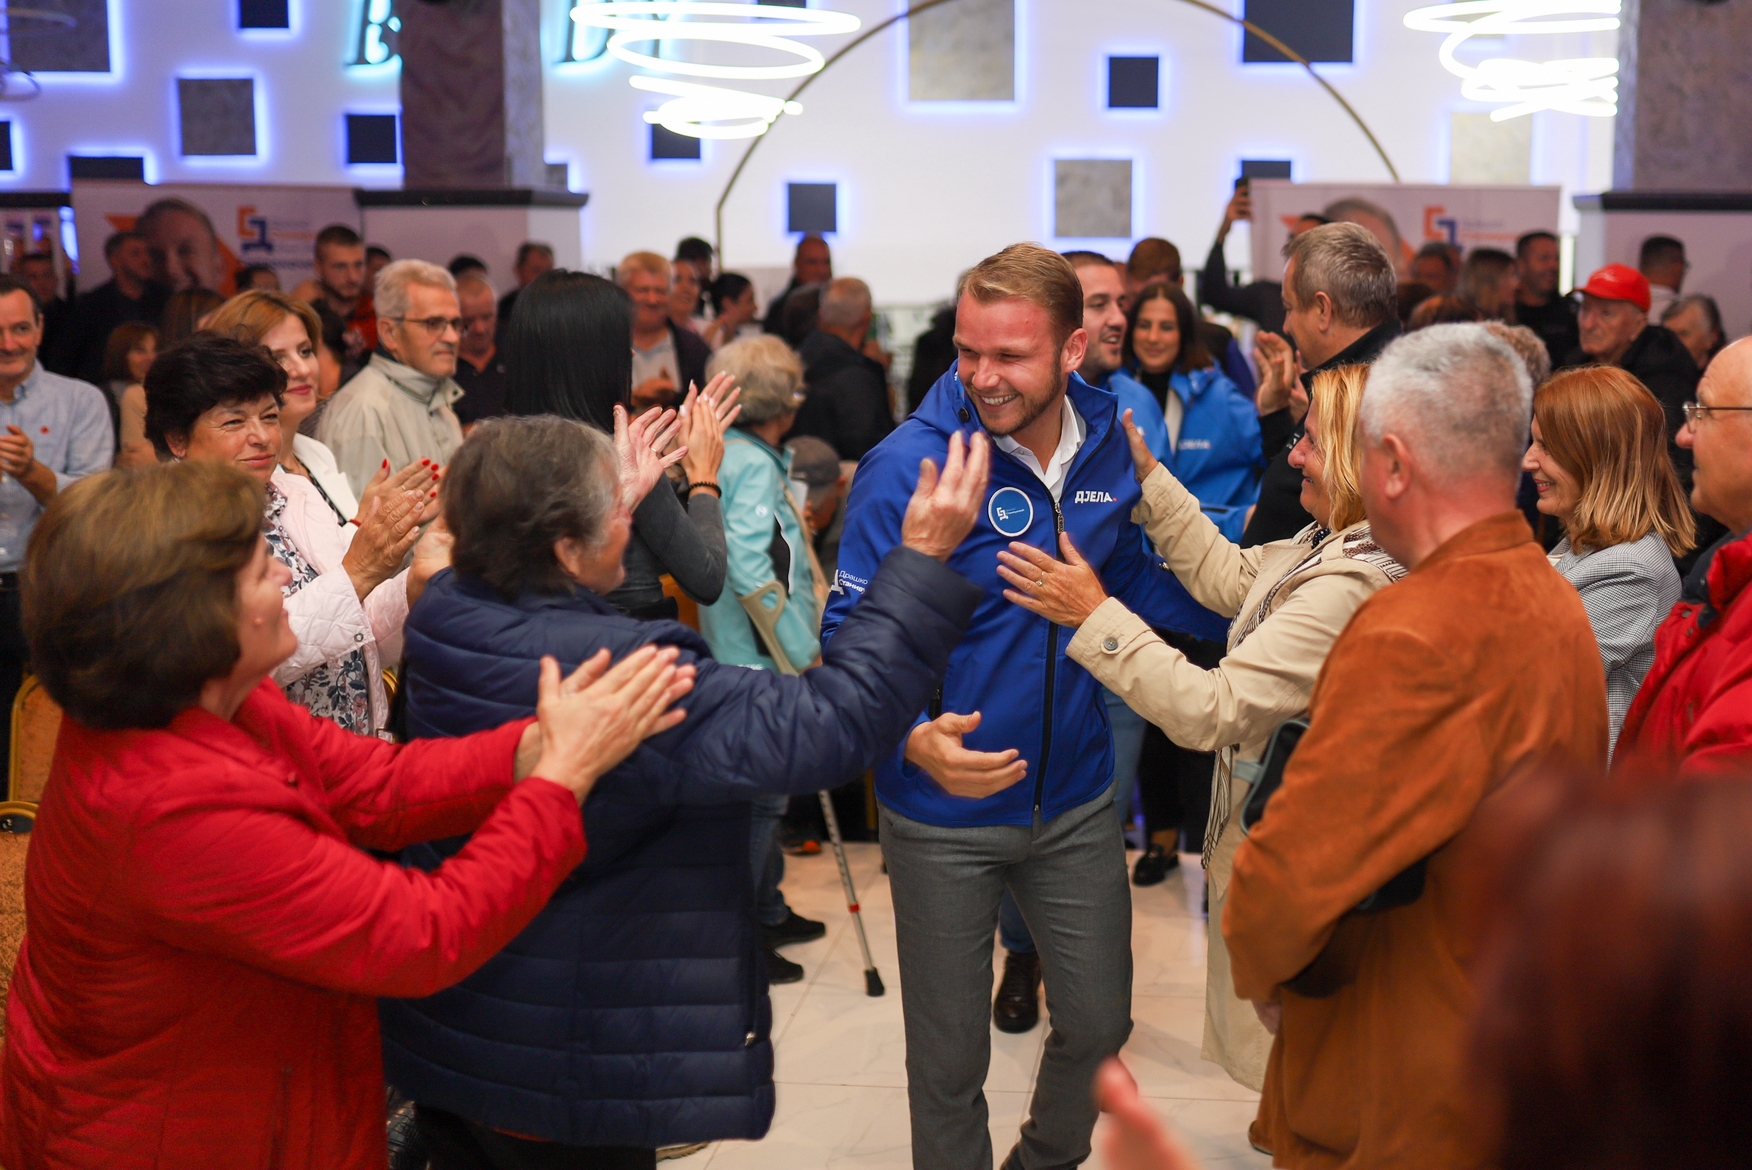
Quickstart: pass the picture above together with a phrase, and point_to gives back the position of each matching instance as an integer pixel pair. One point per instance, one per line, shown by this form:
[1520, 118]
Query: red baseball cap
[1618, 282]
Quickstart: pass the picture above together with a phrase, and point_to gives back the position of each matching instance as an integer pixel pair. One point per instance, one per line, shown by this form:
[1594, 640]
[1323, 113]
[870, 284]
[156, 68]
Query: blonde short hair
[649, 262]
[768, 372]
[1335, 399]
[1034, 274]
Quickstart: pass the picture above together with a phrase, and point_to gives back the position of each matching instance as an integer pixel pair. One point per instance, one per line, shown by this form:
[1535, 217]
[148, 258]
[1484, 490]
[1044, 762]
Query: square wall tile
[1092, 198]
[372, 138]
[1134, 83]
[1320, 30]
[218, 115]
[963, 52]
[812, 207]
[666, 143]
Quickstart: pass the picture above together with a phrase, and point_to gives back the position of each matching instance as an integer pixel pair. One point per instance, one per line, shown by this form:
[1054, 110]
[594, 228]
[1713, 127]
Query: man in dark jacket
[1340, 309]
[1616, 331]
[632, 1013]
[959, 823]
[128, 295]
[848, 404]
[1537, 304]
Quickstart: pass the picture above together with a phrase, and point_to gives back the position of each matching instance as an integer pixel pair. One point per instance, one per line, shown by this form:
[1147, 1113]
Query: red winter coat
[206, 935]
[1693, 715]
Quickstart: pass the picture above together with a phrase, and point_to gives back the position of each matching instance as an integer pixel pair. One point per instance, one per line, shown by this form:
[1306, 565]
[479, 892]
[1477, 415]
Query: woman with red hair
[1599, 459]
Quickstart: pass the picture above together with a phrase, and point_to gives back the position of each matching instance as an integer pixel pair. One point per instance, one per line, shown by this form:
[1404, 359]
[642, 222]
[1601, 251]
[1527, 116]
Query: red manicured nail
[386, 465]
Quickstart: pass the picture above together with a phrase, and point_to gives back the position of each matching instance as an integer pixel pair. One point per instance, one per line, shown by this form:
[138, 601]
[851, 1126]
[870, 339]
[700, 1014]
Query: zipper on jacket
[1052, 630]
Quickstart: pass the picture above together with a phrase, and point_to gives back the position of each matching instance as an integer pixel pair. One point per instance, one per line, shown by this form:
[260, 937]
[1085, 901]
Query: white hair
[391, 298]
[1457, 396]
[845, 303]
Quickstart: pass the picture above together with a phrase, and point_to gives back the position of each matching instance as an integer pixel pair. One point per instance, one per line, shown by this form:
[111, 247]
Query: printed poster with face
[1403, 216]
[202, 236]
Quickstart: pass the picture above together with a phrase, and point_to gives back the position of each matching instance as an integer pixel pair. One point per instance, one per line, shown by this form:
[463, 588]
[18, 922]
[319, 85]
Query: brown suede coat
[1470, 686]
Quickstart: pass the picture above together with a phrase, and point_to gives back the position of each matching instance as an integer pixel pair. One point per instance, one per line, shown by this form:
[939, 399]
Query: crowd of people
[388, 758]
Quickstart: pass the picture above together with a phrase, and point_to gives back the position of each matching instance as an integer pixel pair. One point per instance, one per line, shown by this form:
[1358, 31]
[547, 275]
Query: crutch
[872, 980]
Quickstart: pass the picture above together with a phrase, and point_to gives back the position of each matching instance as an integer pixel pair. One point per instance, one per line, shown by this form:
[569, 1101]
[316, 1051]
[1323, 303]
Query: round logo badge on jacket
[1010, 511]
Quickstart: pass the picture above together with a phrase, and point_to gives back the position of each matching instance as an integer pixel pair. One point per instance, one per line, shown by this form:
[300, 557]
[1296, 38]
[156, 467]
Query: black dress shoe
[1153, 867]
[794, 929]
[1016, 1007]
[782, 970]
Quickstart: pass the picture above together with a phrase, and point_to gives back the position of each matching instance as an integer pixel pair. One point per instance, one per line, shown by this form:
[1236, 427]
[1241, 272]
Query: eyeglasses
[435, 325]
[1696, 410]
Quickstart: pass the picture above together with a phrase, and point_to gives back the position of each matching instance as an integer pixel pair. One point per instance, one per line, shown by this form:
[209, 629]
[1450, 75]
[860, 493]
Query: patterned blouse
[338, 691]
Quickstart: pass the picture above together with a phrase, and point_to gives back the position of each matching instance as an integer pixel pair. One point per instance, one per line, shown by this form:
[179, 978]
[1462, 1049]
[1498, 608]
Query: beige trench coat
[1290, 600]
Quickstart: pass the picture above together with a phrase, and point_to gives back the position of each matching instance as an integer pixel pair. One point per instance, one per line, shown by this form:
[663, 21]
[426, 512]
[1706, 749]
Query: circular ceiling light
[708, 111]
[1577, 85]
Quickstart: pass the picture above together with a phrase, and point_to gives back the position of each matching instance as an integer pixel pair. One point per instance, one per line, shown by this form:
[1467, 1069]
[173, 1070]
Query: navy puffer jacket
[633, 1011]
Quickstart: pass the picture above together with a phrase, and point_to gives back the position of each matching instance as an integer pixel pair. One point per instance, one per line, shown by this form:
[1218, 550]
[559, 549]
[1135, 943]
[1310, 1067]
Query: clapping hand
[638, 447]
[945, 507]
[594, 718]
[389, 524]
[706, 415]
[1279, 373]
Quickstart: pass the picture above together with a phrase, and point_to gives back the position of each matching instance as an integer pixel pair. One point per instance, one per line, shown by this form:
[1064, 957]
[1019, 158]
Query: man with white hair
[848, 404]
[399, 407]
[1472, 685]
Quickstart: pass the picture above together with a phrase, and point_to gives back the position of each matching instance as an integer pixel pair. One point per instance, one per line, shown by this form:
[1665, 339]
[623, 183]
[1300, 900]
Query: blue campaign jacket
[1012, 665]
[633, 1011]
[1219, 459]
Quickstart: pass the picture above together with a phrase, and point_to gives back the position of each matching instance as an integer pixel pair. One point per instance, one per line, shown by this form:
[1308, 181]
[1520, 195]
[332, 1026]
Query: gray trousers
[1068, 875]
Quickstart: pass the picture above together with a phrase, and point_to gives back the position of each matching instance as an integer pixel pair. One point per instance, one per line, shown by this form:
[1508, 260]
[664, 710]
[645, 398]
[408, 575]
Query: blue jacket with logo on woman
[1218, 458]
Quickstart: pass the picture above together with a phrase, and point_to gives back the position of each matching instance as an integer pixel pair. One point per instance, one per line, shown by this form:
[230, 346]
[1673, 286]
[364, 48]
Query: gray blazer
[1628, 590]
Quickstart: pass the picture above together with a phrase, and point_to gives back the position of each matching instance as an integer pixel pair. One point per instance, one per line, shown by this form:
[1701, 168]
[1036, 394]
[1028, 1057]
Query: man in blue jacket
[1004, 782]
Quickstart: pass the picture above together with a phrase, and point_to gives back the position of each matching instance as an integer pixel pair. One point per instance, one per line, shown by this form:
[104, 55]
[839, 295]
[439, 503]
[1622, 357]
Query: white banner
[202, 235]
[1403, 216]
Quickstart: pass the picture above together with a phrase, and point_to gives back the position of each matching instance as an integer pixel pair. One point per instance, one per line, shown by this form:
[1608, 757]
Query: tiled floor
[841, 1055]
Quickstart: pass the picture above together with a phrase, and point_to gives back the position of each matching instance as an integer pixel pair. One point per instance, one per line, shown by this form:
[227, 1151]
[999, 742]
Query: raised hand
[389, 527]
[1278, 371]
[638, 447]
[945, 507]
[422, 476]
[707, 414]
[1063, 592]
[936, 747]
[1144, 460]
[593, 719]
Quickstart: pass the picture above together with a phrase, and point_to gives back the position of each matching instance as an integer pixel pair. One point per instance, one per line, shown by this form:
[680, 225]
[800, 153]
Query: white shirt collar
[1072, 432]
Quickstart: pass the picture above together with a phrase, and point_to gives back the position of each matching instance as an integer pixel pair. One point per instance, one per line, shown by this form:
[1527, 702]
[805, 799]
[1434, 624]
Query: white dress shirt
[1072, 431]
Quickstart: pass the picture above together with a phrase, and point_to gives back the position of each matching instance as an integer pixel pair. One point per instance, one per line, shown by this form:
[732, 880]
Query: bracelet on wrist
[716, 490]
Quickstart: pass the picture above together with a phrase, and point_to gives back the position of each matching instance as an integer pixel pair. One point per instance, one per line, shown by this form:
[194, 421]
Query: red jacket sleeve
[386, 796]
[264, 886]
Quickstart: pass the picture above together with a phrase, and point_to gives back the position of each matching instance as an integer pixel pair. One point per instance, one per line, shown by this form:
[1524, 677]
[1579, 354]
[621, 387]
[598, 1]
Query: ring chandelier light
[711, 111]
[1578, 85]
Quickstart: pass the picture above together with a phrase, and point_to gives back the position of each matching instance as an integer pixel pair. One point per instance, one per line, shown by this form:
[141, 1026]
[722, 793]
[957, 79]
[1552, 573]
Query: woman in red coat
[206, 931]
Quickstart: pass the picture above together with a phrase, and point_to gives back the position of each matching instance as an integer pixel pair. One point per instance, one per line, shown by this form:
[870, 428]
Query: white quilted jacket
[327, 615]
